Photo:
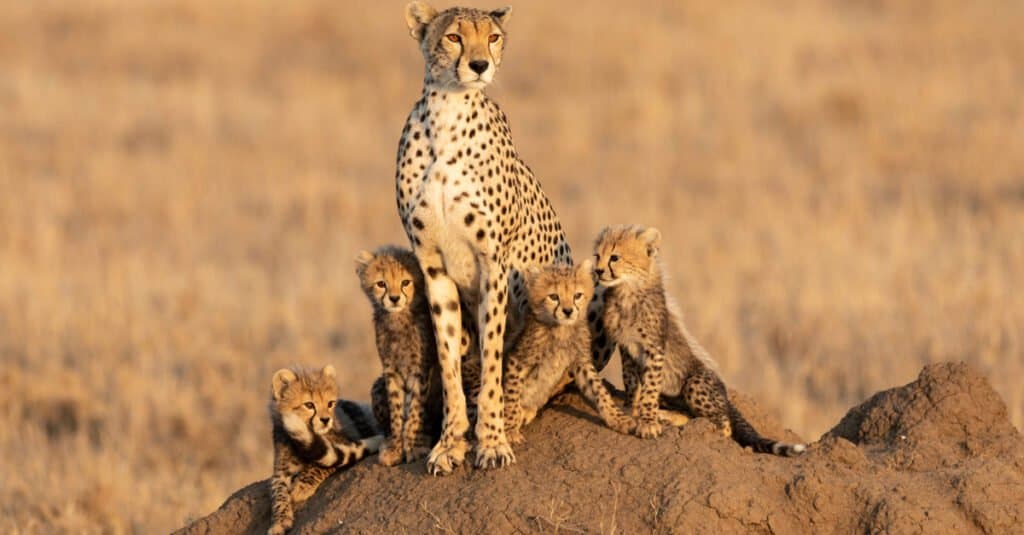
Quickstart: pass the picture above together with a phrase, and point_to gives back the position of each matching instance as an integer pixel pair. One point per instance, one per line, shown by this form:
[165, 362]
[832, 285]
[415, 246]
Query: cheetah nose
[478, 66]
[325, 419]
[394, 298]
[598, 271]
[567, 312]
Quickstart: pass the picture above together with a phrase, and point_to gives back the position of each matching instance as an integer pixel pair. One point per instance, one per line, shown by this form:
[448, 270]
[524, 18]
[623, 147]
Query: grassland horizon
[839, 184]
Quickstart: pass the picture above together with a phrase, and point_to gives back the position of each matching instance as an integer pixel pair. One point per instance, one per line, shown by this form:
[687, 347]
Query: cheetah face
[559, 295]
[462, 47]
[624, 253]
[390, 278]
[305, 401]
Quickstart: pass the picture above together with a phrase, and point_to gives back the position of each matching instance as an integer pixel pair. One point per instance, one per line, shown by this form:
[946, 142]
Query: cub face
[390, 278]
[462, 47]
[559, 295]
[625, 253]
[305, 400]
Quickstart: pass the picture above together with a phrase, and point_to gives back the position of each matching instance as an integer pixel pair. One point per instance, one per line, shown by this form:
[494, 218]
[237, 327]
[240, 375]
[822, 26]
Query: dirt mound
[936, 455]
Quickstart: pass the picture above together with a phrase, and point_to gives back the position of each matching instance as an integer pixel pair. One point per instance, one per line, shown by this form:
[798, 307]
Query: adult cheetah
[474, 213]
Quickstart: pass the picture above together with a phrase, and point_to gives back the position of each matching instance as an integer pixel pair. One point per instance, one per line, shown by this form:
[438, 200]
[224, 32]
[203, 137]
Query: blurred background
[184, 185]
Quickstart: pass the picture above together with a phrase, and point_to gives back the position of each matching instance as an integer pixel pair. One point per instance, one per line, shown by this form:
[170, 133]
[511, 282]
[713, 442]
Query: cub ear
[362, 260]
[531, 274]
[586, 266]
[502, 14]
[652, 237]
[282, 378]
[328, 371]
[417, 16]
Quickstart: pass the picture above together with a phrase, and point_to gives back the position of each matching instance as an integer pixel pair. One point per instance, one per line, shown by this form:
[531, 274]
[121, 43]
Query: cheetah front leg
[391, 453]
[450, 450]
[308, 481]
[589, 382]
[648, 397]
[630, 378]
[512, 411]
[281, 512]
[415, 443]
[492, 449]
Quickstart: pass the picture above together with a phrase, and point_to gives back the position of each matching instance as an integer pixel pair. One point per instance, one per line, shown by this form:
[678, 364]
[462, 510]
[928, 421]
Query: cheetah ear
[362, 260]
[586, 266]
[502, 14]
[652, 237]
[531, 274]
[417, 16]
[328, 371]
[282, 378]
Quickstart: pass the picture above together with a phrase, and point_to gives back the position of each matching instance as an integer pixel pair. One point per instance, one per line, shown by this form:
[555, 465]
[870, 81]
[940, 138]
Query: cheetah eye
[454, 37]
[380, 284]
[309, 405]
[406, 282]
[330, 404]
[578, 296]
[494, 38]
[613, 258]
[553, 297]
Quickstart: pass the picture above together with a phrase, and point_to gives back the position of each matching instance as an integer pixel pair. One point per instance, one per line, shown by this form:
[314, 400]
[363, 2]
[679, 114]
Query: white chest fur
[453, 190]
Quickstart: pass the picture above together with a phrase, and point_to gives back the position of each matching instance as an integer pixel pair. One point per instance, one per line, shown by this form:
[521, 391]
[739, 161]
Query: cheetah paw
[648, 428]
[446, 456]
[498, 456]
[390, 454]
[416, 453]
[672, 418]
[624, 425]
[279, 528]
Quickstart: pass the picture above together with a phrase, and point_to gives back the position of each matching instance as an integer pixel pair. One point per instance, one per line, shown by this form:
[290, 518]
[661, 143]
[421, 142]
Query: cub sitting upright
[308, 446]
[555, 342]
[657, 351]
[392, 280]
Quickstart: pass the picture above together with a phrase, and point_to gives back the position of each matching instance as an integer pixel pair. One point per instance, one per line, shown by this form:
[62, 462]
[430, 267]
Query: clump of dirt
[936, 455]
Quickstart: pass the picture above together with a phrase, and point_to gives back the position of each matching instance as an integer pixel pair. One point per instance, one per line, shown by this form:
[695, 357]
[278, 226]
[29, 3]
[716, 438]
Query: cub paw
[624, 425]
[648, 428]
[499, 455]
[390, 454]
[415, 453]
[301, 492]
[279, 528]
[446, 456]
[672, 418]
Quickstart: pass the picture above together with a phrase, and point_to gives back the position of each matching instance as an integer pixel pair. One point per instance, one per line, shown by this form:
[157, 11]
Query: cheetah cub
[662, 362]
[554, 343]
[308, 445]
[392, 280]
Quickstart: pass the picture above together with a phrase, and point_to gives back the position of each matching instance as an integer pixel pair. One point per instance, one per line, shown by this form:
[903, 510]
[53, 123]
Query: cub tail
[746, 435]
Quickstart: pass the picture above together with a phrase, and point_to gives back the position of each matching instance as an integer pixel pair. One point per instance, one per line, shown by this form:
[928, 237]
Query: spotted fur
[314, 435]
[554, 349]
[475, 215]
[392, 280]
[662, 363]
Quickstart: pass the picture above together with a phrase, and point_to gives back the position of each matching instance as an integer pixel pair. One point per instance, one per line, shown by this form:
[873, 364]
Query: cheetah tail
[746, 435]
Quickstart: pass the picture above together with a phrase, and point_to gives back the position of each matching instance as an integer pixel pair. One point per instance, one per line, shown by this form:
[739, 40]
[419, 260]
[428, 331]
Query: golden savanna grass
[184, 184]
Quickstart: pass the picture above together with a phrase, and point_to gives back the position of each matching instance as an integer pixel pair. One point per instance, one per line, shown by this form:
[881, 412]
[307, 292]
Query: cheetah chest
[447, 205]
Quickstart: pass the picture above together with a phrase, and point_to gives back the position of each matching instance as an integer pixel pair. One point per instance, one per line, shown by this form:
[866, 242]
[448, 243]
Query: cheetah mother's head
[462, 46]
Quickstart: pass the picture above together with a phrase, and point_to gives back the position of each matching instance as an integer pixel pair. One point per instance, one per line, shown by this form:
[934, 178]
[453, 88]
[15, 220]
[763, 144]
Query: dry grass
[184, 184]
